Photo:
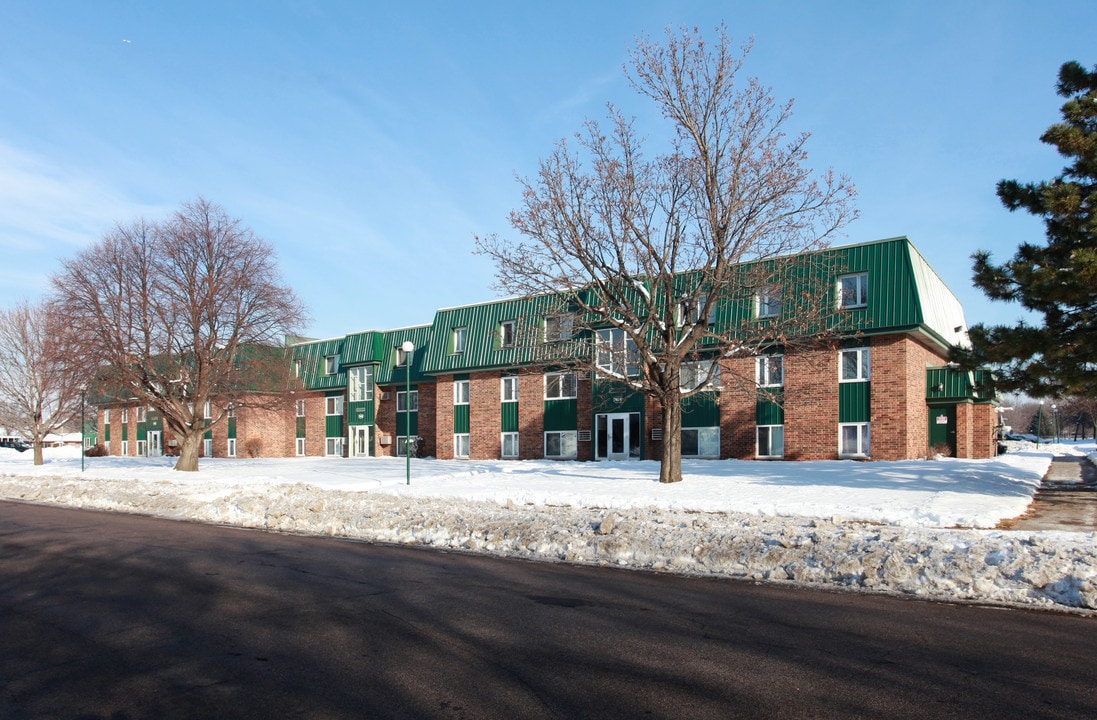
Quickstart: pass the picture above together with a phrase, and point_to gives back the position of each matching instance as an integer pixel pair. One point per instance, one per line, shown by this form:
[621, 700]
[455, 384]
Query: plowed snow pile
[882, 526]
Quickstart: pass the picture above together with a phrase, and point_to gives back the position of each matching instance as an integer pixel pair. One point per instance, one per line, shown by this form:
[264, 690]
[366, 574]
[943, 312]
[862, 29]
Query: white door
[359, 440]
[156, 443]
[618, 436]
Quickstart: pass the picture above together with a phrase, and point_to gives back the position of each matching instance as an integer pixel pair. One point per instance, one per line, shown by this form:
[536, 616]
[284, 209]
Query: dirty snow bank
[508, 510]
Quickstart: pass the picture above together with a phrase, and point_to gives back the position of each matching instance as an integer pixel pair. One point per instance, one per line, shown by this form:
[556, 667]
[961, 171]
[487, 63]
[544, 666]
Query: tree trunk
[38, 460]
[189, 450]
[670, 470]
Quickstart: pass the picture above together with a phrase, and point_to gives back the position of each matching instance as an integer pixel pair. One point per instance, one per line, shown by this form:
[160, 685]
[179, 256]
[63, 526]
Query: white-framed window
[297, 368]
[142, 448]
[853, 439]
[459, 334]
[510, 444]
[402, 401]
[207, 410]
[617, 353]
[360, 383]
[507, 333]
[106, 416]
[701, 442]
[125, 446]
[509, 392]
[300, 408]
[142, 414]
[401, 445]
[334, 447]
[461, 445]
[333, 405]
[460, 392]
[771, 441]
[853, 365]
[207, 447]
[691, 310]
[331, 364]
[695, 374]
[300, 447]
[559, 327]
[767, 302]
[232, 447]
[853, 290]
[401, 356]
[125, 417]
[561, 386]
[770, 370]
[561, 444]
[230, 411]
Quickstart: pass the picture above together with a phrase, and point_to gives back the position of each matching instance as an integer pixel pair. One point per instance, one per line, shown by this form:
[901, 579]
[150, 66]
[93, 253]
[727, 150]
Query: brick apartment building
[463, 388]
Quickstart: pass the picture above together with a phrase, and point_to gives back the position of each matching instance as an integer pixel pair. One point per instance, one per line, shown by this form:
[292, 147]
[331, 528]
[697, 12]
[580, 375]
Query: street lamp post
[1055, 416]
[408, 347]
[82, 429]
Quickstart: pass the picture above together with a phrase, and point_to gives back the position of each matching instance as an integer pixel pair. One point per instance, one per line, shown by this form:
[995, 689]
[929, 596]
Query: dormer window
[853, 291]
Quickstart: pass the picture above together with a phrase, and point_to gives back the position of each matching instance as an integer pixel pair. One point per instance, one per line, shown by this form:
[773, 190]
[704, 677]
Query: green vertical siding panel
[701, 410]
[333, 426]
[509, 413]
[232, 428]
[106, 433]
[125, 431]
[360, 413]
[300, 427]
[611, 397]
[402, 423]
[853, 402]
[460, 418]
[561, 415]
[768, 410]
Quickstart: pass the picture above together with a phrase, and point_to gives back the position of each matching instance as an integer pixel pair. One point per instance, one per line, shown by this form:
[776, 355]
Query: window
[460, 392]
[106, 416]
[617, 353]
[297, 368]
[142, 448]
[461, 445]
[507, 333]
[853, 291]
[459, 339]
[402, 401]
[232, 447]
[561, 444]
[561, 386]
[334, 447]
[300, 405]
[510, 445]
[331, 364]
[125, 447]
[771, 441]
[142, 414]
[300, 447]
[125, 417]
[207, 447]
[770, 370]
[701, 442]
[695, 374]
[510, 388]
[401, 357]
[854, 365]
[333, 405]
[559, 327]
[360, 384]
[853, 439]
[230, 411]
[767, 303]
[692, 309]
[207, 411]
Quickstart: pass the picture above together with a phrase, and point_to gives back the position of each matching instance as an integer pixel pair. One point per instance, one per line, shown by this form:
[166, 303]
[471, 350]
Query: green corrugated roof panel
[312, 357]
[362, 348]
[387, 372]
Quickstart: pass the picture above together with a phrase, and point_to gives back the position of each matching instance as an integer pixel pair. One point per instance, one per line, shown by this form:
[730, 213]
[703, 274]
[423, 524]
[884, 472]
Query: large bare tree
[661, 248]
[42, 375]
[181, 312]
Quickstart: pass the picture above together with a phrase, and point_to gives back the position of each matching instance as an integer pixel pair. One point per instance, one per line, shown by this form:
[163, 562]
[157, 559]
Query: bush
[941, 450]
[253, 447]
[96, 451]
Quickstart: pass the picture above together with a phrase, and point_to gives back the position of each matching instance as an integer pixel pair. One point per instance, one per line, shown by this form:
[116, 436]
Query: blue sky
[369, 142]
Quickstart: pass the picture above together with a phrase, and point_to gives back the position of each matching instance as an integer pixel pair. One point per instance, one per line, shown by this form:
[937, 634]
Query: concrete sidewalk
[1066, 499]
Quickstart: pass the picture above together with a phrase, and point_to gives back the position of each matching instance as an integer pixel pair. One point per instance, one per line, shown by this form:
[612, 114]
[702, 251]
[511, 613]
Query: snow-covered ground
[915, 527]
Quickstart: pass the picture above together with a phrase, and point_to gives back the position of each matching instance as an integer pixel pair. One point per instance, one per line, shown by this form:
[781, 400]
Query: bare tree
[661, 249]
[181, 312]
[41, 373]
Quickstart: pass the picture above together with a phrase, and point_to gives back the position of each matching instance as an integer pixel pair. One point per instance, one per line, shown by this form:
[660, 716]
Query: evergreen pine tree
[1058, 279]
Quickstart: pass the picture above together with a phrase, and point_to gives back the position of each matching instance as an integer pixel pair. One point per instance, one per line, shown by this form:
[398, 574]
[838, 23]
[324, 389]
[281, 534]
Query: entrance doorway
[156, 443]
[618, 436]
[942, 429]
[360, 440]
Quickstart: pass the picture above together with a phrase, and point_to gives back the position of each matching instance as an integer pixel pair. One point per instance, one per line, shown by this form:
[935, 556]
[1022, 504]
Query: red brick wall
[738, 412]
[443, 423]
[900, 416]
[811, 404]
[485, 415]
[531, 414]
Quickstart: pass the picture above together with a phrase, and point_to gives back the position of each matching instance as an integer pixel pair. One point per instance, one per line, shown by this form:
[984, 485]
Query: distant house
[884, 392]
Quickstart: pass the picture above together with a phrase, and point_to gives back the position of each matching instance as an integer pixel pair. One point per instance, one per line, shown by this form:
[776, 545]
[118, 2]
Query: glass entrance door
[156, 445]
[618, 436]
[359, 440]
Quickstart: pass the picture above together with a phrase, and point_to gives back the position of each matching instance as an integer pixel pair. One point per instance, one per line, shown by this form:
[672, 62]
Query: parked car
[15, 444]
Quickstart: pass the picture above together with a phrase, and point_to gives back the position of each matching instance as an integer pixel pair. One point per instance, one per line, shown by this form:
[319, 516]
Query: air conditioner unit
[385, 395]
[386, 439]
[657, 434]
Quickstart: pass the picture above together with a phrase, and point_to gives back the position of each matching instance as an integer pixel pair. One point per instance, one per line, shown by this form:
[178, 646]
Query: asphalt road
[112, 616]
